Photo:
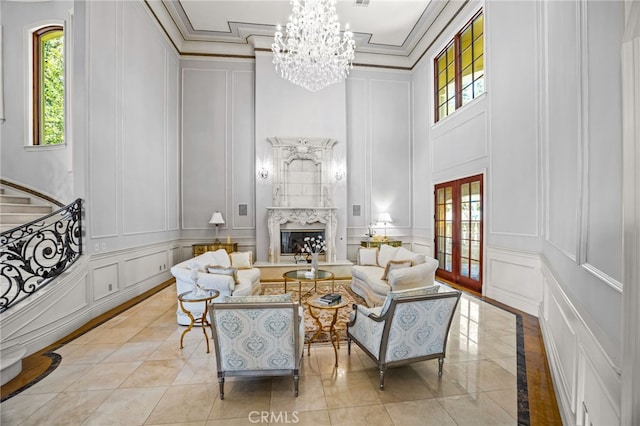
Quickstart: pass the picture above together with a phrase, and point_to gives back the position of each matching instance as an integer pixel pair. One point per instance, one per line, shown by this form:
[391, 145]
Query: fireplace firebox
[292, 240]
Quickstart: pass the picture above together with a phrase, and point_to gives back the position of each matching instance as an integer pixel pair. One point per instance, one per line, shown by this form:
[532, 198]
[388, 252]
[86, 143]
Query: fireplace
[314, 221]
[292, 240]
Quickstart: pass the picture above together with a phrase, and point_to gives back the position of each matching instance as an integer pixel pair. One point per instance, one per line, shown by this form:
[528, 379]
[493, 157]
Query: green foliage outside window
[52, 88]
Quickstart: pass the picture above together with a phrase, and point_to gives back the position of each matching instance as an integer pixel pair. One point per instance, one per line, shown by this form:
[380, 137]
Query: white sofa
[243, 282]
[404, 270]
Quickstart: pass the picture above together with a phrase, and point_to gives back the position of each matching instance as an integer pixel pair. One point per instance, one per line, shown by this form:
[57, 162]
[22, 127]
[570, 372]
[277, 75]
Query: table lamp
[385, 218]
[217, 220]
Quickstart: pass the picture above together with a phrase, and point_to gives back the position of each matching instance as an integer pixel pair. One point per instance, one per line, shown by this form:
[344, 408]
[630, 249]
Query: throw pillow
[221, 257]
[395, 264]
[386, 254]
[368, 256]
[404, 254]
[272, 298]
[241, 259]
[420, 291]
[221, 270]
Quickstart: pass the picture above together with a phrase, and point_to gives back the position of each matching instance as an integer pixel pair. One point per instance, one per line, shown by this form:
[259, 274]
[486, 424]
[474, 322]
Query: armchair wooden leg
[348, 345]
[221, 384]
[440, 363]
[296, 381]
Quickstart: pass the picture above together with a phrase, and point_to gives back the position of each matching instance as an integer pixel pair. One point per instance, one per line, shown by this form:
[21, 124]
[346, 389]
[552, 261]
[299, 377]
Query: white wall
[379, 172]
[218, 171]
[18, 159]
[284, 109]
[132, 151]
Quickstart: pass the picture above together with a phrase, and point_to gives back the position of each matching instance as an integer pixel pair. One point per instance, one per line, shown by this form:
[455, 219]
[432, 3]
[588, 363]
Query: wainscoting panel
[586, 380]
[141, 268]
[514, 278]
[105, 281]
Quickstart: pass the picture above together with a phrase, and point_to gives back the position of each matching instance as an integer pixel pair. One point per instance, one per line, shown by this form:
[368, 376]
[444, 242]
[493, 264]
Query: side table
[299, 275]
[331, 328]
[190, 296]
[373, 243]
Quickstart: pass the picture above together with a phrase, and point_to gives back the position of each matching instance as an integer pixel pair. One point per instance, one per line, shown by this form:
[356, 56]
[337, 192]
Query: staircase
[16, 210]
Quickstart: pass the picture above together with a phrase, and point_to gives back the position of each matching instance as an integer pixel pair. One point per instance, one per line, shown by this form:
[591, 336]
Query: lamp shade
[217, 219]
[384, 218]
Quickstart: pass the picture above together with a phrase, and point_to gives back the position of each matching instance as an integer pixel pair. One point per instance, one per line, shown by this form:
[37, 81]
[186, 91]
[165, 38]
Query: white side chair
[411, 325]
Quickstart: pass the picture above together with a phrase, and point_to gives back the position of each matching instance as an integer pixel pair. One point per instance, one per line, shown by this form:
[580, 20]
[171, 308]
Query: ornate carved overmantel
[302, 189]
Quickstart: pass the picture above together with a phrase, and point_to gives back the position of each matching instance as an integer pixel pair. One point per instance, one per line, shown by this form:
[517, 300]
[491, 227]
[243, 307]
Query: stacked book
[330, 299]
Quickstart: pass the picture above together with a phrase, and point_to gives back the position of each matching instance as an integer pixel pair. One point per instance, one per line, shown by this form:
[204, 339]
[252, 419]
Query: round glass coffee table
[314, 303]
[303, 276]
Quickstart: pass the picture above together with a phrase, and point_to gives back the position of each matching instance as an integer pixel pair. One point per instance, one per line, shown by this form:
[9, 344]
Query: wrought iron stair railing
[33, 255]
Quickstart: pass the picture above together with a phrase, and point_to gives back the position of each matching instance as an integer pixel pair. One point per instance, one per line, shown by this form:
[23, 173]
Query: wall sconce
[263, 173]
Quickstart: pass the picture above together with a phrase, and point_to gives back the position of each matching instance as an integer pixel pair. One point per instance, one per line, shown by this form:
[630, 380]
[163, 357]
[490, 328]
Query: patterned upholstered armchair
[411, 326]
[254, 337]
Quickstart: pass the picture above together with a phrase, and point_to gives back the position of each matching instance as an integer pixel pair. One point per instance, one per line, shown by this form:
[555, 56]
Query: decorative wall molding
[587, 381]
[513, 277]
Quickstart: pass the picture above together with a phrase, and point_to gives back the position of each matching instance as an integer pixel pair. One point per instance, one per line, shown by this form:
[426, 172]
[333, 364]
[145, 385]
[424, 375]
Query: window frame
[36, 68]
[456, 42]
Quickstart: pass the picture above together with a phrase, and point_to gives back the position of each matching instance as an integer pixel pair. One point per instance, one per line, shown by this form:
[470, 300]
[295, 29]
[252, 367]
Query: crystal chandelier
[312, 54]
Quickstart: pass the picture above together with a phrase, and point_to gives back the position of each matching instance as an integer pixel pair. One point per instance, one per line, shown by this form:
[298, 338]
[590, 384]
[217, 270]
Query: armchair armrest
[223, 283]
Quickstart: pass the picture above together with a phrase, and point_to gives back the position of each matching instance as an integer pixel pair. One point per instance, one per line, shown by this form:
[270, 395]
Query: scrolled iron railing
[33, 255]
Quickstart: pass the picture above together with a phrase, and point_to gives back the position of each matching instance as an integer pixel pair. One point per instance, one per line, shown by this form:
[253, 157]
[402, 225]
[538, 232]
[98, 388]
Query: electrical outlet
[356, 209]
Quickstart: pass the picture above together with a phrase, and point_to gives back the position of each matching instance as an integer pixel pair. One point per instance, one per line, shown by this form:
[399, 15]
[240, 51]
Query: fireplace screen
[292, 242]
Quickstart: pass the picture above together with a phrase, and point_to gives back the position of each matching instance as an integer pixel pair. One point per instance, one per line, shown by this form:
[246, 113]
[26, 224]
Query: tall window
[459, 69]
[48, 85]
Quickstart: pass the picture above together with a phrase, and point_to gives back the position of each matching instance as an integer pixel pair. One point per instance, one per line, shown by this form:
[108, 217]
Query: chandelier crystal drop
[311, 53]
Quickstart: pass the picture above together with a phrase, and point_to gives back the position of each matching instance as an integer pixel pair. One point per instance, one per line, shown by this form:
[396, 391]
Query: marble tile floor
[129, 370]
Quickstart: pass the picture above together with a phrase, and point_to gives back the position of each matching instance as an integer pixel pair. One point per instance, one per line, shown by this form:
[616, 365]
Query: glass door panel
[458, 226]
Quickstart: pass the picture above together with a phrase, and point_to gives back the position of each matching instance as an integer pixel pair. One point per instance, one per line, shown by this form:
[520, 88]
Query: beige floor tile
[126, 407]
[67, 408]
[170, 349]
[429, 411]
[91, 353]
[198, 370]
[132, 351]
[310, 395]
[117, 335]
[154, 373]
[400, 384]
[476, 409]
[373, 415]
[242, 396]
[16, 409]
[104, 376]
[490, 376]
[154, 334]
[312, 418]
[507, 399]
[185, 403]
[59, 379]
[449, 384]
[350, 390]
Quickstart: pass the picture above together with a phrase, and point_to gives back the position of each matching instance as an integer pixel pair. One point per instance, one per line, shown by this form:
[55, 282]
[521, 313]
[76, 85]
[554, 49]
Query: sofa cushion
[241, 259]
[264, 298]
[368, 256]
[404, 254]
[386, 254]
[420, 291]
[221, 270]
[395, 264]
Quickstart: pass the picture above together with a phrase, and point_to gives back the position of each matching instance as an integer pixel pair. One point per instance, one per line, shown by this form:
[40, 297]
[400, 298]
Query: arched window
[48, 84]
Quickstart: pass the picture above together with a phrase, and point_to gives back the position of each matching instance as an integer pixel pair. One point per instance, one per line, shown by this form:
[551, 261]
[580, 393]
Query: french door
[458, 231]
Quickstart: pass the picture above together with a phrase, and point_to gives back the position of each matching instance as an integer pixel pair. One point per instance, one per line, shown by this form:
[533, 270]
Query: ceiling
[388, 33]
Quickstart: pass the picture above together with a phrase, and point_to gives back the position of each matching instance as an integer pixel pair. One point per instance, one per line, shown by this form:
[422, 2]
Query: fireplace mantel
[277, 216]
